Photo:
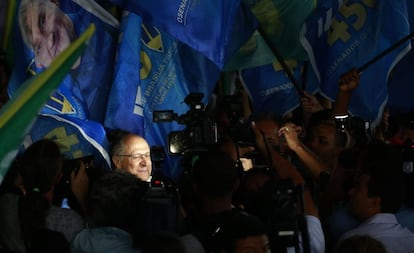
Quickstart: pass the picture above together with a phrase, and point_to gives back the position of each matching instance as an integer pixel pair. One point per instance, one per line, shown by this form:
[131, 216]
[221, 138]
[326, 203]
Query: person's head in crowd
[116, 199]
[251, 183]
[379, 185]
[214, 179]
[131, 153]
[360, 244]
[324, 139]
[45, 29]
[242, 233]
[269, 123]
[40, 170]
[40, 167]
[215, 174]
[402, 129]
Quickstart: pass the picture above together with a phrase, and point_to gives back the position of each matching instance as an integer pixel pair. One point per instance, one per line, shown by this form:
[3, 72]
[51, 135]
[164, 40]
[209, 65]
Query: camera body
[161, 206]
[63, 195]
[70, 165]
[277, 203]
[200, 130]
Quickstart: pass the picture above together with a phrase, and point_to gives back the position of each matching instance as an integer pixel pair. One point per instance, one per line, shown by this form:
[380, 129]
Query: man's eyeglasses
[135, 157]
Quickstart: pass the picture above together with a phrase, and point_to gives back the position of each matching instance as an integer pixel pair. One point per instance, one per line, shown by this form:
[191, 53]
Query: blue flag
[399, 86]
[271, 90]
[84, 91]
[19, 113]
[216, 28]
[125, 108]
[76, 138]
[155, 72]
[340, 37]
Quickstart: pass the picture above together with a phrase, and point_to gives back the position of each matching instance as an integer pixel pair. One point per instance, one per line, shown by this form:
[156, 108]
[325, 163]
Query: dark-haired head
[241, 228]
[40, 168]
[215, 174]
[116, 199]
[40, 165]
[383, 164]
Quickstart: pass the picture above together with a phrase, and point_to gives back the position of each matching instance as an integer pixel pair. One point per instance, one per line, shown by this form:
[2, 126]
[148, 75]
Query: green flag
[18, 115]
[282, 22]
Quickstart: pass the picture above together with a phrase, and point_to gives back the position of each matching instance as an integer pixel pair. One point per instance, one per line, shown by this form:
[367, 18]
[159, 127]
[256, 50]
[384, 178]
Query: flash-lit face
[51, 31]
[135, 158]
[322, 141]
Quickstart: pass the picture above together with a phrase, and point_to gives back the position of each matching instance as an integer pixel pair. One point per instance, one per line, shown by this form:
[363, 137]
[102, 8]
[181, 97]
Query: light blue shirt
[103, 240]
[316, 236]
[385, 228]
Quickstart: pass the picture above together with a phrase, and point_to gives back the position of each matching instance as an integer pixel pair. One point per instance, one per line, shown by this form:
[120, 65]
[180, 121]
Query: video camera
[200, 130]
[161, 206]
[280, 205]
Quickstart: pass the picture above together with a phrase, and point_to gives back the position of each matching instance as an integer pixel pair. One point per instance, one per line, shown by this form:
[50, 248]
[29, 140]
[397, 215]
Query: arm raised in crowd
[348, 82]
[284, 169]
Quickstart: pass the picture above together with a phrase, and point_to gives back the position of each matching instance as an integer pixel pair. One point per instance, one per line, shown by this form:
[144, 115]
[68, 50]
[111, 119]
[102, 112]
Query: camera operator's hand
[79, 184]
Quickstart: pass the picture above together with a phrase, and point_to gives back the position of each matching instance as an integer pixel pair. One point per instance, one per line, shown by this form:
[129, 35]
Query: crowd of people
[319, 184]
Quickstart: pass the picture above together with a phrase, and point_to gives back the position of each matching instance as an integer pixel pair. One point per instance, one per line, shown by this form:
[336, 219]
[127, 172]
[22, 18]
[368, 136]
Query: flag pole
[281, 61]
[385, 52]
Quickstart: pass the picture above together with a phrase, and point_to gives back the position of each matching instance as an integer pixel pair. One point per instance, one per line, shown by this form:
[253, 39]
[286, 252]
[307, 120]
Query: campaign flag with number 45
[342, 35]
